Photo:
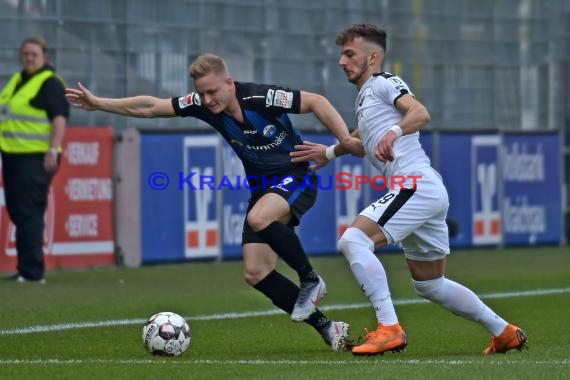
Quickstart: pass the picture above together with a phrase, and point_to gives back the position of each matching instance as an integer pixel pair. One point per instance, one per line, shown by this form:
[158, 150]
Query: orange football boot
[512, 338]
[385, 338]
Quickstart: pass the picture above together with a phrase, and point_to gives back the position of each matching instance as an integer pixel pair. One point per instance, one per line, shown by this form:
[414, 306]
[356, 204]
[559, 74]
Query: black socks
[283, 293]
[283, 240]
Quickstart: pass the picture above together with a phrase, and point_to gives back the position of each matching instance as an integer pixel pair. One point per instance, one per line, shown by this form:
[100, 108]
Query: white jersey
[414, 215]
[377, 113]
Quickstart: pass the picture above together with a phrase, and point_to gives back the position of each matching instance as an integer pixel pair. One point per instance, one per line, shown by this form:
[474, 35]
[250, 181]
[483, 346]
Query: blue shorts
[298, 188]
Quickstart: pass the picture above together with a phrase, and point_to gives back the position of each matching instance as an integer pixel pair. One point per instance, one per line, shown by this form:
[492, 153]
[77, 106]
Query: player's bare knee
[253, 273]
[430, 289]
[257, 221]
[252, 277]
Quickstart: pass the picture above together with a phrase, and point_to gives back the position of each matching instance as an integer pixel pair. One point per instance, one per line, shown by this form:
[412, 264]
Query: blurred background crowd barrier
[494, 75]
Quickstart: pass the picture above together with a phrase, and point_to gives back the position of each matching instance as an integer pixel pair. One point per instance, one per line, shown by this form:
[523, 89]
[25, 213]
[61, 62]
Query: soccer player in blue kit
[253, 119]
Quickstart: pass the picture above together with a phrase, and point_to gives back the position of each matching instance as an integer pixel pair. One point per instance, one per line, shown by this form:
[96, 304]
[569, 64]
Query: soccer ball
[166, 334]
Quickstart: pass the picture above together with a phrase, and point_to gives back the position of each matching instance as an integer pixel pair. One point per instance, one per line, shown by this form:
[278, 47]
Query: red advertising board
[79, 220]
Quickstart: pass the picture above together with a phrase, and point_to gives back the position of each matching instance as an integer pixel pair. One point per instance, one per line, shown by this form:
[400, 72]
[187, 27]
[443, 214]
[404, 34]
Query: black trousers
[26, 187]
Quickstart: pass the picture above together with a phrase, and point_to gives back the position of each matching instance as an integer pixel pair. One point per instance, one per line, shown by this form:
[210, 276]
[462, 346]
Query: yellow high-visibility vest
[24, 128]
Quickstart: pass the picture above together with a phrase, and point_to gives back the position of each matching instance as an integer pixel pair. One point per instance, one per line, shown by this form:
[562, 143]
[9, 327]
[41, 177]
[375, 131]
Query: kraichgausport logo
[201, 180]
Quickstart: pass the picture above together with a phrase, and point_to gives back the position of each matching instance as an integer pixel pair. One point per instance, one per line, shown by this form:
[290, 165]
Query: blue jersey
[266, 137]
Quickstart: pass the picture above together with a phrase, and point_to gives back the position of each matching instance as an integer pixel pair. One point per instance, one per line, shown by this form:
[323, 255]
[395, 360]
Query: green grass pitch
[88, 324]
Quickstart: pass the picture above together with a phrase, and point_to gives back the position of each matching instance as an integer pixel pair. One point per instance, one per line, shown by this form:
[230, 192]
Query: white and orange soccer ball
[166, 334]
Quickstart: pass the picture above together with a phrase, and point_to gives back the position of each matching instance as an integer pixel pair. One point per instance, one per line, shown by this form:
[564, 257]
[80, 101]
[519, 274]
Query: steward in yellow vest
[33, 117]
[25, 128]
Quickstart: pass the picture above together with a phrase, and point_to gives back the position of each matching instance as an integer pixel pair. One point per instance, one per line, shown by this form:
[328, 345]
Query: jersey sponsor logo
[269, 98]
[273, 145]
[250, 131]
[188, 100]
[283, 99]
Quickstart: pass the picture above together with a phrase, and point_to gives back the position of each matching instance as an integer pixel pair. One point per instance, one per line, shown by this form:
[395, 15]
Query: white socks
[358, 249]
[461, 301]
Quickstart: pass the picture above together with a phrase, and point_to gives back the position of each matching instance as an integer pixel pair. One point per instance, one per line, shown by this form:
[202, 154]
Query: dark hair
[368, 32]
[36, 41]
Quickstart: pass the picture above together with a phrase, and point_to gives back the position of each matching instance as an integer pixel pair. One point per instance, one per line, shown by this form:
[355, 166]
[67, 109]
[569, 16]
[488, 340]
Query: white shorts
[415, 218]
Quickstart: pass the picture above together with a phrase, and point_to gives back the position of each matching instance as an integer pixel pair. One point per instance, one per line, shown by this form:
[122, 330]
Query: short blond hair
[206, 64]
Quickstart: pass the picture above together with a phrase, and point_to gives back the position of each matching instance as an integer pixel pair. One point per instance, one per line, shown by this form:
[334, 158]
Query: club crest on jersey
[188, 100]
[269, 131]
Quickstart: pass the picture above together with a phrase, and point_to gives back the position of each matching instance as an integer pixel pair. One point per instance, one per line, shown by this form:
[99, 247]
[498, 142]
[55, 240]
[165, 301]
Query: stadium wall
[505, 190]
[476, 64]
[79, 219]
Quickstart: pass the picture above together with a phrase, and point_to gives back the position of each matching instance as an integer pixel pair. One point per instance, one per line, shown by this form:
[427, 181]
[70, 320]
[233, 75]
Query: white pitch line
[260, 362]
[251, 314]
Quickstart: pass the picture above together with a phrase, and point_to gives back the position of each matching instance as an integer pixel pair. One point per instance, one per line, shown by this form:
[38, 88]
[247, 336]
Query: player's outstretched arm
[317, 153]
[330, 118]
[137, 106]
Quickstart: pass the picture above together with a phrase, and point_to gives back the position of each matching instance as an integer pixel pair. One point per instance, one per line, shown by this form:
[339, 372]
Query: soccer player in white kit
[389, 118]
